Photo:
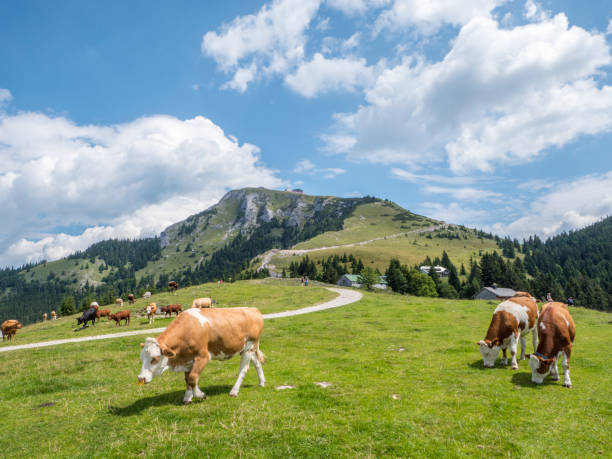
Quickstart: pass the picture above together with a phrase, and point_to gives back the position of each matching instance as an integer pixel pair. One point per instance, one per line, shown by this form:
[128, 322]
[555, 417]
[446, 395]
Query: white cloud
[322, 75]
[411, 177]
[455, 213]
[463, 193]
[567, 206]
[355, 7]
[428, 16]
[609, 29]
[498, 96]
[271, 41]
[5, 96]
[535, 12]
[126, 180]
[306, 166]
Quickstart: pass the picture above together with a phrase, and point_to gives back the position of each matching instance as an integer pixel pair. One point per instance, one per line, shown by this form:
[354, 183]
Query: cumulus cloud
[271, 41]
[609, 29]
[306, 166]
[566, 206]
[125, 180]
[355, 7]
[429, 16]
[462, 193]
[498, 96]
[455, 213]
[322, 75]
[5, 96]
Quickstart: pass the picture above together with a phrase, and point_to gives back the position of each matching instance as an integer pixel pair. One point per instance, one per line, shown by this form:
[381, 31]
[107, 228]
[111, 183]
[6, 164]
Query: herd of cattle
[202, 333]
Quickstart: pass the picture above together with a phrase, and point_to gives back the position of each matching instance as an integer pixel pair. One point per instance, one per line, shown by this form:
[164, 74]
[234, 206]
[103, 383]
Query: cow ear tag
[141, 345]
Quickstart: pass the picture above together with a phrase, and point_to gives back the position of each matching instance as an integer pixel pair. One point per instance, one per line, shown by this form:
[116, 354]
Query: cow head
[489, 351]
[540, 368]
[154, 362]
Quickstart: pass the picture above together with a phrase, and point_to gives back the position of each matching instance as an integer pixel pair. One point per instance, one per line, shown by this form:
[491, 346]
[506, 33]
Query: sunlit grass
[422, 350]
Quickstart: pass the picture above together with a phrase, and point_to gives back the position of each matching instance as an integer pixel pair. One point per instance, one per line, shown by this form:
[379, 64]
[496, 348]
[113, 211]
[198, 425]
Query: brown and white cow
[512, 320]
[168, 310]
[199, 335]
[131, 298]
[53, 315]
[121, 315]
[119, 302]
[201, 303]
[9, 328]
[556, 330]
[103, 312]
[44, 317]
[151, 310]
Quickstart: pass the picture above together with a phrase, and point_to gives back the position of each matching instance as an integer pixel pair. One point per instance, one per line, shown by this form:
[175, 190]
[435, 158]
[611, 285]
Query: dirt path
[265, 262]
[344, 297]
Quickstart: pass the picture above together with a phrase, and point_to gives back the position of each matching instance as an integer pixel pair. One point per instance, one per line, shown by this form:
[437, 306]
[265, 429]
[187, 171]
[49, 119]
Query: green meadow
[406, 380]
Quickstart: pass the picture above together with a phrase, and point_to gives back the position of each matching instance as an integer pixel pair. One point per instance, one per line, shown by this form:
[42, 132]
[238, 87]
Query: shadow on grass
[479, 365]
[523, 379]
[170, 398]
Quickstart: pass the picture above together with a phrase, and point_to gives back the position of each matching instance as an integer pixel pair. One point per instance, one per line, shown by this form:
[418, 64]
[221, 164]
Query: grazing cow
[556, 330]
[198, 335]
[94, 304]
[9, 329]
[151, 310]
[512, 319]
[172, 286]
[44, 317]
[168, 310]
[202, 303]
[131, 298]
[119, 302]
[89, 315]
[103, 312]
[53, 315]
[121, 315]
[147, 295]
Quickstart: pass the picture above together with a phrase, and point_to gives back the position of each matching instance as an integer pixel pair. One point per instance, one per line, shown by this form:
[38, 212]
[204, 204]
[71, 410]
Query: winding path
[345, 297]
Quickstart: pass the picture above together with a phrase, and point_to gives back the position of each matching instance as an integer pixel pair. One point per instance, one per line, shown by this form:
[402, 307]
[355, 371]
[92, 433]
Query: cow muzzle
[142, 381]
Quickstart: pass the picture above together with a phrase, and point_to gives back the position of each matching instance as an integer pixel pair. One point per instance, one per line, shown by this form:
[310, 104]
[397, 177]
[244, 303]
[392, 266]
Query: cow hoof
[186, 402]
[233, 395]
[515, 367]
[555, 379]
[569, 386]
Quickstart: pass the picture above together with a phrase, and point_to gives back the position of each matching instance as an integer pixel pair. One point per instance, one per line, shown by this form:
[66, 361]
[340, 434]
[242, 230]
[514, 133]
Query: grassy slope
[369, 221]
[270, 295]
[410, 250]
[79, 270]
[449, 405]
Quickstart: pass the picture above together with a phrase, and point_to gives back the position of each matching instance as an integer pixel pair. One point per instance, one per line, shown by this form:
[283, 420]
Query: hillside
[406, 380]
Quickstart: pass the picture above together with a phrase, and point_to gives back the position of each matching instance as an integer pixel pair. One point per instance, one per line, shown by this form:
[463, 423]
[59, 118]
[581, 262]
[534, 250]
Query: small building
[349, 280]
[494, 293]
[441, 270]
[353, 280]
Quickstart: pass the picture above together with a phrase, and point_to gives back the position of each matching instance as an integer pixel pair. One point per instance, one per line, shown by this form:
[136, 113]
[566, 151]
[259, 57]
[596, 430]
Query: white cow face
[539, 368]
[153, 362]
[489, 352]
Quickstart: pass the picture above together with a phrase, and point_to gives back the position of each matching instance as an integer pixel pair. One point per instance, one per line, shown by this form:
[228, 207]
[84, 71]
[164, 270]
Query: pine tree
[67, 307]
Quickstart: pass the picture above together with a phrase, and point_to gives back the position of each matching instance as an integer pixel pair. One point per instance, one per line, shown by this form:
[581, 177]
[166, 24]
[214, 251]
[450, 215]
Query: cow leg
[523, 346]
[244, 366]
[191, 380]
[534, 340]
[258, 367]
[566, 373]
[504, 360]
[513, 345]
[554, 371]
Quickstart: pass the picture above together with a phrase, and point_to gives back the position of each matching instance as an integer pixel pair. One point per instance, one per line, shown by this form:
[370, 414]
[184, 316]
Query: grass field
[410, 250]
[82, 400]
[270, 295]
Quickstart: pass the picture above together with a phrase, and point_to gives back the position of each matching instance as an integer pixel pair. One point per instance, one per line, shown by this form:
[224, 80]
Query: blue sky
[118, 119]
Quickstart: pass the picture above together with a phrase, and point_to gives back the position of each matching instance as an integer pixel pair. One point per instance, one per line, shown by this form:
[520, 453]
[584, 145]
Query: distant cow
[45, 317]
[201, 303]
[94, 304]
[131, 298]
[151, 310]
[9, 328]
[556, 330]
[102, 313]
[121, 315]
[89, 315]
[172, 286]
[512, 319]
[198, 335]
[53, 315]
[119, 302]
[147, 295]
[168, 310]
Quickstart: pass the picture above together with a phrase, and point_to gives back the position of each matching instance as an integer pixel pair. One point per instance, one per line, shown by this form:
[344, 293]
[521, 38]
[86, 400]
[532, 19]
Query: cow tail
[260, 355]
